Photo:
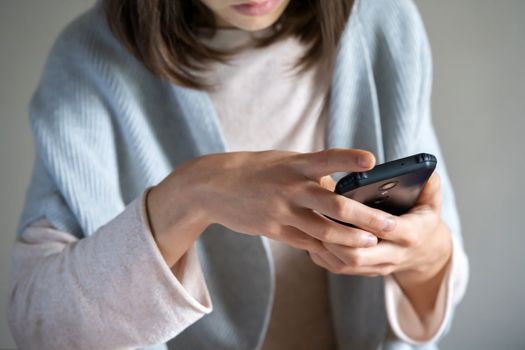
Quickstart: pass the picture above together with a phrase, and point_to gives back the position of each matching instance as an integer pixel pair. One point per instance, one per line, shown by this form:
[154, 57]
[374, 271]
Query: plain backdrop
[479, 54]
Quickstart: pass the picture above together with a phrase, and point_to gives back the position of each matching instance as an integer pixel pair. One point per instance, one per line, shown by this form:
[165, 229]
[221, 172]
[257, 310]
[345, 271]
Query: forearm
[174, 231]
[110, 290]
[421, 285]
[406, 324]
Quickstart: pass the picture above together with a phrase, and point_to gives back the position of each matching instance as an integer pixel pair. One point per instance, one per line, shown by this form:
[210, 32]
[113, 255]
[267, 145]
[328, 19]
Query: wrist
[431, 270]
[421, 285]
[175, 219]
[427, 277]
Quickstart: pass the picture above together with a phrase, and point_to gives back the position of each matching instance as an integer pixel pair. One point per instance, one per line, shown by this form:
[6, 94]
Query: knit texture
[105, 129]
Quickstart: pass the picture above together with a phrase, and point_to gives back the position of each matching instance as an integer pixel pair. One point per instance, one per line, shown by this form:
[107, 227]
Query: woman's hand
[277, 194]
[414, 243]
[415, 249]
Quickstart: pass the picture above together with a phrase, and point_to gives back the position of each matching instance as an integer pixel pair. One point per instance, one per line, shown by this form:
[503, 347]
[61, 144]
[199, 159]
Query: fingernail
[370, 240]
[389, 224]
[365, 161]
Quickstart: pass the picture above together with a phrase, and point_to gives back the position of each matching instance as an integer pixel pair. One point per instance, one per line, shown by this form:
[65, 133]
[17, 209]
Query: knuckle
[314, 247]
[341, 207]
[385, 270]
[315, 259]
[375, 220]
[405, 240]
[289, 191]
[397, 259]
[302, 242]
[356, 258]
[326, 234]
[278, 207]
[274, 229]
[415, 239]
[322, 158]
[410, 239]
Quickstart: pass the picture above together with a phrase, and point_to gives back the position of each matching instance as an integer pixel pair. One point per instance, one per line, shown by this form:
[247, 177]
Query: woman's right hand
[277, 194]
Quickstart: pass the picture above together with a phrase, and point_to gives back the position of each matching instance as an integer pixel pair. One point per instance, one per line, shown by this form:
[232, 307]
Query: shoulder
[87, 77]
[86, 39]
[88, 72]
[87, 55]
[399, 59]
[390, 17]
[384, 9]
[74, 116]
[394, 30]
[396, 40]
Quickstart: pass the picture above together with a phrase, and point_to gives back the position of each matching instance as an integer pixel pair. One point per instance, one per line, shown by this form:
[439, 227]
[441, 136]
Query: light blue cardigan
[105, 129]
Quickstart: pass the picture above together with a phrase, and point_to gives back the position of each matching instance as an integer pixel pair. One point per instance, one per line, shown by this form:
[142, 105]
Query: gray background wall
[479, 51]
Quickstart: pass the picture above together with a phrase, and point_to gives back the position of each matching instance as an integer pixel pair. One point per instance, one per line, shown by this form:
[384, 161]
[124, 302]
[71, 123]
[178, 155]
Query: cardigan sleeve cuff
[109, 290]
[403, 319]
[192, 286]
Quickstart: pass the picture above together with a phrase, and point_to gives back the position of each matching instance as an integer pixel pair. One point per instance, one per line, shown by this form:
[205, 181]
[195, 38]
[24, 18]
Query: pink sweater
[44, 256]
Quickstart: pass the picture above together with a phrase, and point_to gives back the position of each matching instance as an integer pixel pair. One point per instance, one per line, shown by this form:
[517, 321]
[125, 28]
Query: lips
[259, 8]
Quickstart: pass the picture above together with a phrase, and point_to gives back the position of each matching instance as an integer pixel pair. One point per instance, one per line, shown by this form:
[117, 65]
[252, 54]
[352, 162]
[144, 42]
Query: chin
[250, 22]
[253, 24]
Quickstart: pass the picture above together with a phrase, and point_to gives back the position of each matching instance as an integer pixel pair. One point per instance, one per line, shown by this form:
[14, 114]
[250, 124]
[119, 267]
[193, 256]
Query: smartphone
[393, 187]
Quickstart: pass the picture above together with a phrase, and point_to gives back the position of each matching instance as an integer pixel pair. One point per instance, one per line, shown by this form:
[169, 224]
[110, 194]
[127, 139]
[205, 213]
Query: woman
[183, 158]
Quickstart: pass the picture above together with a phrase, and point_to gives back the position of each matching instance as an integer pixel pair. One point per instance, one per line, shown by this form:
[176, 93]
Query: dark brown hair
[165, 34]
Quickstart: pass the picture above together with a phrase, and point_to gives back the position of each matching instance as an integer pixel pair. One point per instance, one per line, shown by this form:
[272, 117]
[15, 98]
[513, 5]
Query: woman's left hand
[415, 249]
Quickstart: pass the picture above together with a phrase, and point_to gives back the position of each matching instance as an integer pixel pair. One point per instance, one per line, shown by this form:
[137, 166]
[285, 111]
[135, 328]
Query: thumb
[431, 193]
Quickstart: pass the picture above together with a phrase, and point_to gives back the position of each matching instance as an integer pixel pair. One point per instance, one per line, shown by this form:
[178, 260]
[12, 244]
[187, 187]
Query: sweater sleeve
[404, 320]
[110, 290]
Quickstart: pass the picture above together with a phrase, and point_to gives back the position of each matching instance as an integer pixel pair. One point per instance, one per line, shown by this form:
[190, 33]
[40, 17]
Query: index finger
[345, 210]
[317, 164]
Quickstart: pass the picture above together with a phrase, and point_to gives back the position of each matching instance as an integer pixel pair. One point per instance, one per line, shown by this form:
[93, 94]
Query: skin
[226, 16]
[292, 190]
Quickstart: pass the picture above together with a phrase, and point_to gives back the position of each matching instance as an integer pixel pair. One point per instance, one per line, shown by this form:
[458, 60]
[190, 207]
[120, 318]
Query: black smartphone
[393, 187]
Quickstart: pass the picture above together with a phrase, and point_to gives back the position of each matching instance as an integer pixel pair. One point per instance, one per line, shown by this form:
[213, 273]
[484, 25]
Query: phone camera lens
[388, 185]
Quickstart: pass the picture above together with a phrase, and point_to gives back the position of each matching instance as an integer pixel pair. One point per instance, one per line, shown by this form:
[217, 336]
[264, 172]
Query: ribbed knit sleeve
[84, 114]
[74, 136]
[422, 137]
